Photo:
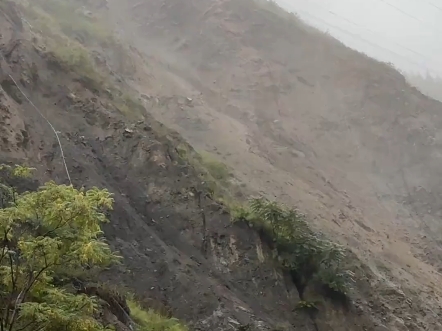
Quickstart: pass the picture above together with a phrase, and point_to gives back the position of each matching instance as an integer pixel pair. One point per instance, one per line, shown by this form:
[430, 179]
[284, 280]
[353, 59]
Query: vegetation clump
[45, 234]
[48, 237]
[217, 177]
[310, 259]
[149, 320]
[74, 21]
[218, 170]
[70, 37]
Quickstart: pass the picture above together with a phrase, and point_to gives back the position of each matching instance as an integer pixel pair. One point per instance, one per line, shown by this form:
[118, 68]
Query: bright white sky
[407, 33]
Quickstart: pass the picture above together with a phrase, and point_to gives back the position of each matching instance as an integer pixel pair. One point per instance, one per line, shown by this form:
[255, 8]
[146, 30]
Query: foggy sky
[407, 33]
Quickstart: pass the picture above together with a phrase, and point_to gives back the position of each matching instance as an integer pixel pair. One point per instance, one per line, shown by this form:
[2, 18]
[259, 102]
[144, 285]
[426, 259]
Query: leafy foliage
[7, 194]
[43, 232]
[307, 255]
[151, 321]
[17, 171]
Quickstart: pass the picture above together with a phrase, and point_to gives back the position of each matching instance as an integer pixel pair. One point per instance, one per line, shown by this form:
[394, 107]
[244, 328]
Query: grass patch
[217, 169]
[72, 54]
[217, 176]
[75, 22]
[310, 259]
[64, 51]
[149, 320]
[68, 34]
[143, 319]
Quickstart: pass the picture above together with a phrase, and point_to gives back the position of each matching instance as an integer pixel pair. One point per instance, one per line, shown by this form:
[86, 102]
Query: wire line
[44, 117]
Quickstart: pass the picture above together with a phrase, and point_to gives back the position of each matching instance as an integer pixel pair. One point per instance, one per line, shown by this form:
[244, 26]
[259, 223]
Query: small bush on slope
[55, 227]
[307, 256]
[47, 237]
[149, 320]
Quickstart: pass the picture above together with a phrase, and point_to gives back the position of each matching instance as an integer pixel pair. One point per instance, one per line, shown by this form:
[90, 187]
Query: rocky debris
[221, 320]
[146, 97]
[128, 133]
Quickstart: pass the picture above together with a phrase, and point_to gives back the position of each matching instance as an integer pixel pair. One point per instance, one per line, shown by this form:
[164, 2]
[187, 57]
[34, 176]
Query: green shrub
[149, 320]
[335, 280]
[56, 227]
[301, 251]
[72, 56]
[240, 213]
[50, 236]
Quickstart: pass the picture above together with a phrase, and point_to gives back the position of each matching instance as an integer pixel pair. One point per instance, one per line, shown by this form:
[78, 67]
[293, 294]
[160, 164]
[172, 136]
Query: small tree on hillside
[44, 235]
[305, 253]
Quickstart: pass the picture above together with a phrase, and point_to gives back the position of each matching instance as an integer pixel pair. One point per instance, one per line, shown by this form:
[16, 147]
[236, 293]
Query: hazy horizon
[403, 32]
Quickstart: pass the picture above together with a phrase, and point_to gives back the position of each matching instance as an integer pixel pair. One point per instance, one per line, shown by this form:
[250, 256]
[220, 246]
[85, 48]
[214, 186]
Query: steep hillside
[181, 254]
[307, 120]
[157, 223]
[214, 71]
[311, 106]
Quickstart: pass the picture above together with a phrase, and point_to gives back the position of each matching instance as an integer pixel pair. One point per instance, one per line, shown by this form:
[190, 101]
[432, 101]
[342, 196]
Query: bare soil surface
[298, 116]
[302, 118]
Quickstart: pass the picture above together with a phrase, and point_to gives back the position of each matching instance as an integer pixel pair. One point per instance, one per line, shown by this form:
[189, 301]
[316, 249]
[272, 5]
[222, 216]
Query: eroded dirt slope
[173, 260]
[203, 270]
[280, 98]
[303, 118]
[181, 253]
